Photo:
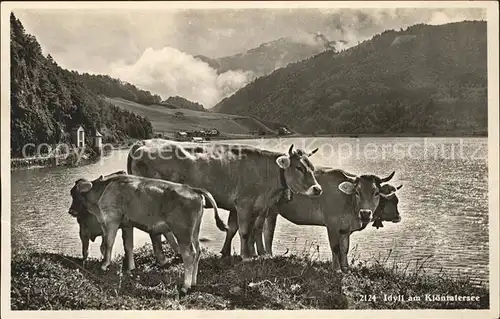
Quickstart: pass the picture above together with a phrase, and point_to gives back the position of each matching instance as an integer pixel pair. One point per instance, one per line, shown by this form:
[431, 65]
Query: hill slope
[425, 79]
[169, 120]
[183, 103]
[47, 101]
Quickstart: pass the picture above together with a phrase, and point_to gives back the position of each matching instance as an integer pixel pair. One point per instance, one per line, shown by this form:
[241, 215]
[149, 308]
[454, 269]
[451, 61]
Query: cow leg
[85, 246]
[197, 250]
[269, 227]
[188, 257]
[333, 237]
[102, 248]
[251, 243]
[245, 223]
[157, 249]
[109, 237]
[172, 241]
[257, 231]
[344, 249]
[232, 225]
[128, 246]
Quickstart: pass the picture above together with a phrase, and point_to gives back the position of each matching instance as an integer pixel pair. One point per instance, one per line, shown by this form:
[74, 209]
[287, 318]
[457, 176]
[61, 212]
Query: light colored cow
[242, 178]
[151, 205]
[90, 229]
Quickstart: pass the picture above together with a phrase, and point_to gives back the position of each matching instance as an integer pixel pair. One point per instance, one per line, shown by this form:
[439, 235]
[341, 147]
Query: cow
[346, 206]
[90, 229]
[242, 178]
[152, 205]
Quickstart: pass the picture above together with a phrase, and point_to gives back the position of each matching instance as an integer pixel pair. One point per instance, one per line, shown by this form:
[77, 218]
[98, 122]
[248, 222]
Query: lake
[443, 204]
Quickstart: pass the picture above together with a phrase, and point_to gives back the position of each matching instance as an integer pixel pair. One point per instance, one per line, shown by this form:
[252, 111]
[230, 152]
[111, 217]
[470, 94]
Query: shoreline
[44, 162]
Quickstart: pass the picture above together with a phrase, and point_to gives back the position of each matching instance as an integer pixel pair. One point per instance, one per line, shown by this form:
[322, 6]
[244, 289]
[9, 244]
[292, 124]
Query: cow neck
[286, 191]
[354, 209]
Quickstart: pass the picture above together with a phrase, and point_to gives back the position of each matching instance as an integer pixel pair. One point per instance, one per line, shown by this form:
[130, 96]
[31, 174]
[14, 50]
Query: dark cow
[90, 229]
[242, 178]
[346, 206]
[153, 206]
[387, 209]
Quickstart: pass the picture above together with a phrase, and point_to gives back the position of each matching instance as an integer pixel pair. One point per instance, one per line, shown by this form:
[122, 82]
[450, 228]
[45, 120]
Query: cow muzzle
[365, 215]
[315, 190]
[396, 219]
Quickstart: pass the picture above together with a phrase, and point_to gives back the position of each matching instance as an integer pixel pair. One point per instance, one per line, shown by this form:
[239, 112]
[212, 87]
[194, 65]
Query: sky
[154, 49]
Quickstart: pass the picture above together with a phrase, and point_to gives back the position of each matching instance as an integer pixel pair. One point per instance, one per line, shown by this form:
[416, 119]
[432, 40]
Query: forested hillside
[47, 100]
[425, 79]
[183, 103]
[110, 87]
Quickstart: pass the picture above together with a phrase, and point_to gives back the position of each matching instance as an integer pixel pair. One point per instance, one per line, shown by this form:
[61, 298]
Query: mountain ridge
[267, 56]
[434, 82]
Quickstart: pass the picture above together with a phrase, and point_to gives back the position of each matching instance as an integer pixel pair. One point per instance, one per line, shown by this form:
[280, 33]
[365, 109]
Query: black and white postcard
[250, 158]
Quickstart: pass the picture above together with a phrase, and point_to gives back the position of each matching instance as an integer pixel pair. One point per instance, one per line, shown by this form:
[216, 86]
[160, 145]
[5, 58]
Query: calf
[90, 229]
[152, 205]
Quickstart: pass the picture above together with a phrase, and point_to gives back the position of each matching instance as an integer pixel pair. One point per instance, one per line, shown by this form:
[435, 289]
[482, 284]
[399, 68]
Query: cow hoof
[183, 292]
[104, 268]
[177, 258]
[247, 259]
[338, 271]
[225, 255]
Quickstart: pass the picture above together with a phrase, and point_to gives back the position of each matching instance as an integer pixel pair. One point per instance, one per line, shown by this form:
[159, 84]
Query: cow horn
[314, 151]
[290, 150]
[348, 176]
[388, 178]
[399, 187]
[387, 196]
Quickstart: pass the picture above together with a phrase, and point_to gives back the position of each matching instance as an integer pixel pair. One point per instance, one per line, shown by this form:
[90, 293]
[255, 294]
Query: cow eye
[377, 193]
[300, 168]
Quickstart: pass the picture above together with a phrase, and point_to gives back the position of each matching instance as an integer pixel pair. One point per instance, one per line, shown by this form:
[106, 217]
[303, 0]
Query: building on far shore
[78, 136]
[97, 140]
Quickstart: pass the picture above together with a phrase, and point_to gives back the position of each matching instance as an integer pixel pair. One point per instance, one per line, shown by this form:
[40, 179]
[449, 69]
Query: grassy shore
[52, 281]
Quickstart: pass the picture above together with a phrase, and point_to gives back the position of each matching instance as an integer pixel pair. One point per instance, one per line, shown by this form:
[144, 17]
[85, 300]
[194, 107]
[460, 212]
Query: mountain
[47, 101]
[182, 103]
[270, 56]
[427, 79]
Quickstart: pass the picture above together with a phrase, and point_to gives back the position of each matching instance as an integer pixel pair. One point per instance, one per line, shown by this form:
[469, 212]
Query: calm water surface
[443, 204]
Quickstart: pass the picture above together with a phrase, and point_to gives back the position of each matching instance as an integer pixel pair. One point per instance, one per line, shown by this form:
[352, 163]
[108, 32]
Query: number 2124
[368, 298]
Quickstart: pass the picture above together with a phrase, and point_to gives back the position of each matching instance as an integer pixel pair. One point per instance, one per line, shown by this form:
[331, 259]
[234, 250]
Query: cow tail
[218, 221]
[134, 147]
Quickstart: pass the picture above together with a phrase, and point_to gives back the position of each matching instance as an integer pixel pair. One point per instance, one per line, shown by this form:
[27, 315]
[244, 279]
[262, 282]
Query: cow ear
[347, 188]
[283, 161]
[84, 186]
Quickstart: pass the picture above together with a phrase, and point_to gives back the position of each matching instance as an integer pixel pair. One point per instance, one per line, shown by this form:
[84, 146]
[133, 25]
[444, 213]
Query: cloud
[170, 72]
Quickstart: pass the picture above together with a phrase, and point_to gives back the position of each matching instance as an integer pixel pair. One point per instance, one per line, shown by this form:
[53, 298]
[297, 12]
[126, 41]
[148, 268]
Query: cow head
[79, 204]
[366, 191]
[298, 172]
[387, 209]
